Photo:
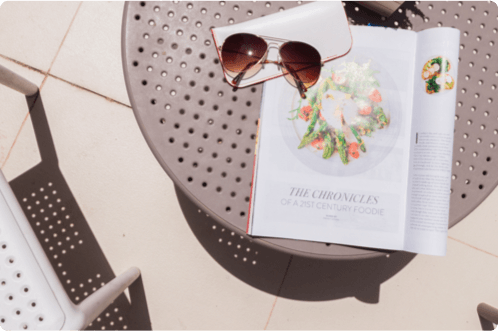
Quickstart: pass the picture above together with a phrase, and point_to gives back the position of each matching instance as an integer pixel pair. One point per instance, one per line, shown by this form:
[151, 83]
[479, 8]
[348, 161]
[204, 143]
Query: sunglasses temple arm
[237, 80]
[239, 77]
[300, 85]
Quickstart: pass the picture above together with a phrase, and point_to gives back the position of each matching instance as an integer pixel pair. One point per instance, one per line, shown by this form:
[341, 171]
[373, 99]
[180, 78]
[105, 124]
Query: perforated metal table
[203, 134]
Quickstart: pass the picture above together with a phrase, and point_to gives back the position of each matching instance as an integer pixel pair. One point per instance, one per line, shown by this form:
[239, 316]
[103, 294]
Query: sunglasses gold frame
[263, 60]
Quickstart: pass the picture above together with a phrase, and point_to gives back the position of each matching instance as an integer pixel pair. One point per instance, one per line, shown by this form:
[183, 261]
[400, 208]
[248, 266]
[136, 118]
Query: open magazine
[366, 159]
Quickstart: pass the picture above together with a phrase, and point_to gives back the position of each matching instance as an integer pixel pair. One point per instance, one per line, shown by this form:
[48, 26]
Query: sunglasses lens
[301, 60]
[241, 52]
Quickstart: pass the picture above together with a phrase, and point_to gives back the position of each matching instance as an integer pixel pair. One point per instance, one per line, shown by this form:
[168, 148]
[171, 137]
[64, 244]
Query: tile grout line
[65, 81]
[479, 249]
[64, 38]
[278, 292]
[42, 84]
[15, 140]
[47, 74]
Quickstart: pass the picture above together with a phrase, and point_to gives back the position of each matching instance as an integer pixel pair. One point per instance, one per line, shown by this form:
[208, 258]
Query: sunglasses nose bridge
[273, 48]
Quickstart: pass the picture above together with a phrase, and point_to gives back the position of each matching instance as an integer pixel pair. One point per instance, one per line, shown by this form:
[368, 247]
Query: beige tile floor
[72, 51]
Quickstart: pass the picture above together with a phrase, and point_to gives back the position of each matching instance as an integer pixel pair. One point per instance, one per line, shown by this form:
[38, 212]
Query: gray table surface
[203, 134]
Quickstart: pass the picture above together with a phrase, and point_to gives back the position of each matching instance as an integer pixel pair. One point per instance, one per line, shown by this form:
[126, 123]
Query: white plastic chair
[31, 295]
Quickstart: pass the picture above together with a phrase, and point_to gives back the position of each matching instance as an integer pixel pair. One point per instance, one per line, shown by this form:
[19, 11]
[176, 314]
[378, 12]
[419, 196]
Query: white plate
[377, 146]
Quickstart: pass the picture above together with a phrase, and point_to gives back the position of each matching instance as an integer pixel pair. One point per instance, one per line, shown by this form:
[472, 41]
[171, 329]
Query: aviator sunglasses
[244, 54]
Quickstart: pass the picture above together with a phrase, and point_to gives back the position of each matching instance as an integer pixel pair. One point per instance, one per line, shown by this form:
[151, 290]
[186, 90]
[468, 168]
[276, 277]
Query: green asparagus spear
[328, 150]
[308, 139]
[314, 103]
[381, 116]
[360, 141]
[340, 140]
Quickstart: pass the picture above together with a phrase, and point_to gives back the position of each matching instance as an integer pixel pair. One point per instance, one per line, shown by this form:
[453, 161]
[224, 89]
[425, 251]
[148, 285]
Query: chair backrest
[28, 298]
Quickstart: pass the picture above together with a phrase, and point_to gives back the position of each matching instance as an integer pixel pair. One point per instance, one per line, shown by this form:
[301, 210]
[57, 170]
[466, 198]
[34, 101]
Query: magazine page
[347, 181]
[432, 140]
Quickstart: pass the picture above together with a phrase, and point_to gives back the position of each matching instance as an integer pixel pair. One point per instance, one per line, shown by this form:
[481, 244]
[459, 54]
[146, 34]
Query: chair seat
[26, 299]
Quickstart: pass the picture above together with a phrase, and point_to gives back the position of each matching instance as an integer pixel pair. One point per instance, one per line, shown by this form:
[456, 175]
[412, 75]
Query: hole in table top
[200, 149]
[165, 27]
[162, 121]
[214, 155]
[229, 112]
[216, 61]
[188, 51]
[481, 187]
[152, 23]
[193, 37]
[205, 136]
[229, 160]
[174, 46]
[223, 174]
[464, 196]
[209, 169]
[137, 17]
[190, 179]
[224, 126]
[228, 209]
[142, 3]
[203, 11]
[215, 107]
[184, 19]
[177, 126]
[153, 101]
[156, 9]
[187, 97]
[484, 173]
[164, 73]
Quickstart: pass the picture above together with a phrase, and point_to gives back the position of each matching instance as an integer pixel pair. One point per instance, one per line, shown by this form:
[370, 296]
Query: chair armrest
[96, 303]
[16, 82]
[487, 315]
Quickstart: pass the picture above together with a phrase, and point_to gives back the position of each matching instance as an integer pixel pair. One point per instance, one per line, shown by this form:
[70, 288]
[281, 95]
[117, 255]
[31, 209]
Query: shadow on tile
[286, 275]
[66, 236]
